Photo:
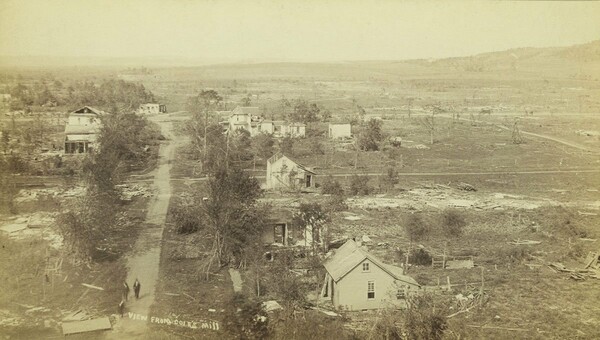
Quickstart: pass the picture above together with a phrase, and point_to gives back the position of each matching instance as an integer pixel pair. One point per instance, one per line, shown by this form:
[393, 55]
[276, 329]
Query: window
[370, 290]
[365, 267]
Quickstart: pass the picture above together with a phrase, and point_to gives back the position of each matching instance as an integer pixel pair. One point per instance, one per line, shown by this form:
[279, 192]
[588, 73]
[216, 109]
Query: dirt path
[143, 262]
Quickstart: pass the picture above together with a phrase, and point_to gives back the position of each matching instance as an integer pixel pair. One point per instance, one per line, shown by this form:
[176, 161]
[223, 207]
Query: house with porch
[151, 109]
[357, 280]
[82, 128]
[285, 174]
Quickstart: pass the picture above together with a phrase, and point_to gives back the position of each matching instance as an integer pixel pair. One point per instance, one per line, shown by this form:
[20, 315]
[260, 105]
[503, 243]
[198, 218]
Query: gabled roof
[88, 110]
[350, 255]
[279, 155]
[246, 110]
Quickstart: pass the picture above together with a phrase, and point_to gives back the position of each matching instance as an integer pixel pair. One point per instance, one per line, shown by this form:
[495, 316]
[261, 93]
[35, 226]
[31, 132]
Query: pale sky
[307, 30]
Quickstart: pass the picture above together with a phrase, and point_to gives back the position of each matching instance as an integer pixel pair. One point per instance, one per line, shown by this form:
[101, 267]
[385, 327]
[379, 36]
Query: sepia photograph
[299, 169]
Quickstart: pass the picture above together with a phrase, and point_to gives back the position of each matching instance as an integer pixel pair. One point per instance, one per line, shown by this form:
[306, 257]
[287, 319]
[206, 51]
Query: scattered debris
[12, 228]
[92, 286]
[76, 316]
[460, 263]
[366, 238]
[586, 213]
[558, 267]
[501, 328]
[325, 311]
[236, 278]
[577, 276]
[465, 187]
[271, 306]
[75, 327]
[353, 218]
[130, 191]
[588, 239]
[37, 309]
[524, 242]
[591, 261]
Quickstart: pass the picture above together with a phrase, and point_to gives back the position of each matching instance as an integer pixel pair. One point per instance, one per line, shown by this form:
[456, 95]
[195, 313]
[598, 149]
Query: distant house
[151, 109]
[339, 131]
[294, 130]
[357, 280]
[245, 118]
[82, 129]
[248, 118]
[284, 173]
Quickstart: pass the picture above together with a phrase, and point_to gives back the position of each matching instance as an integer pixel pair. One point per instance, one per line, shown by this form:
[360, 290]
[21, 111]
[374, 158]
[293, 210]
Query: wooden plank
[100, 324]
[92, 286]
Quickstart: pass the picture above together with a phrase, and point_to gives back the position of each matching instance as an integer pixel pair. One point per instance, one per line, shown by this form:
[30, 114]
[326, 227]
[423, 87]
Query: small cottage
[357, 280]
[284, 173]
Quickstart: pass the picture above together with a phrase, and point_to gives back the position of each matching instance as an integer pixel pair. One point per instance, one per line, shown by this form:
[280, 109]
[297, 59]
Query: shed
[339, 131]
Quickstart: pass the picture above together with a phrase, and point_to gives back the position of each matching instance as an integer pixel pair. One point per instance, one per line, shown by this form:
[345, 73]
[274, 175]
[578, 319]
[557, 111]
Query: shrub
[516, 254]
[336, 203]
[246, 319]
[389, 180]
[415, 227]
[359, 185]
[316, 147]
[453, 222]
[424, 320]
[332, 187]
[186, 222]
[419, 257]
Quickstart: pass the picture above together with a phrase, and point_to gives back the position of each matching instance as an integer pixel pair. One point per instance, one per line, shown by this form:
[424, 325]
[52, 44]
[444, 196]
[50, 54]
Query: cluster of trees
[215, 148]
[451, 223]
[113, 95]
[370, 136]
[91, 224]
[305, 112]
[227, 210]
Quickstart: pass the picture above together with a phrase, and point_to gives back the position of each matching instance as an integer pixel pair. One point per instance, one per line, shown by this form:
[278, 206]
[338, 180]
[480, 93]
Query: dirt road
[143, 262]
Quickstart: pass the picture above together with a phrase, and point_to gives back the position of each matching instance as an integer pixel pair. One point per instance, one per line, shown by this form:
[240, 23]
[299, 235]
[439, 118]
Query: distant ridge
[587, 52]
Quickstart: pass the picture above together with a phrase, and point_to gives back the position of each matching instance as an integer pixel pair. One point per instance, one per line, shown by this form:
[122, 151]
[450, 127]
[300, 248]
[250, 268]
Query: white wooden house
[357, 280]
[82, 129]
[283, 173]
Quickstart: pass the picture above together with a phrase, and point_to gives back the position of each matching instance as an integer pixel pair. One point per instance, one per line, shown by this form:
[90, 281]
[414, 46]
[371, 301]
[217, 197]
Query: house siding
[351, 290]
[278, 175]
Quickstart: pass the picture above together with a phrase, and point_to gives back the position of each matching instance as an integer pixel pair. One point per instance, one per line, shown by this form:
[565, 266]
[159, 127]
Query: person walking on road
[125, 290]
[136, 288]
[121, 308]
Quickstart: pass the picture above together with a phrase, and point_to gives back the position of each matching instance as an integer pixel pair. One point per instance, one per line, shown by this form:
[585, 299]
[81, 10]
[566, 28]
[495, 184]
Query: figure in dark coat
[121, 308]
[125, 291]
[136, 288]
